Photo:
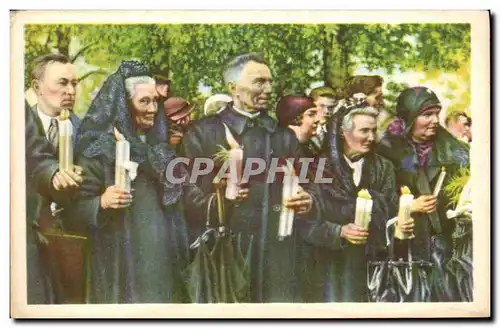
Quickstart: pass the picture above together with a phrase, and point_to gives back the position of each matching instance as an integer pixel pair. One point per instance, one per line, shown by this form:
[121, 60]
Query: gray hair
[347, 122]
[233, 70]
[41, 63]
[131, 83]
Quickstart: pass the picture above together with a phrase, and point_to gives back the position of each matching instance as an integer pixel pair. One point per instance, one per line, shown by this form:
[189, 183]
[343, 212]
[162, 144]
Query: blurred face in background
[56, 88]
[461, 128]
[309, 123]
[376, 98]
[325, 108]
[163, 87]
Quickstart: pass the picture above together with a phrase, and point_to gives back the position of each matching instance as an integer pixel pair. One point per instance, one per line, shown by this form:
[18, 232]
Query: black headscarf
[342, 192]
[109, 109]
[335, 144]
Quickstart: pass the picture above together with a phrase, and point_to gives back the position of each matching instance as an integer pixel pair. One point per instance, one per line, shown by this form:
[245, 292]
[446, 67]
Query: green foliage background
[300, 56]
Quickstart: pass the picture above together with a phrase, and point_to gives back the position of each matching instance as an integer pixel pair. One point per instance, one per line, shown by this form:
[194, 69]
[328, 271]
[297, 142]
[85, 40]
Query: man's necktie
[53, 132]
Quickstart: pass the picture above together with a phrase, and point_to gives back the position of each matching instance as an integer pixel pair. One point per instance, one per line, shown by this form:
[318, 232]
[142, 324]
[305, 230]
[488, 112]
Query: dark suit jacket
[52, 278]
[41, 165]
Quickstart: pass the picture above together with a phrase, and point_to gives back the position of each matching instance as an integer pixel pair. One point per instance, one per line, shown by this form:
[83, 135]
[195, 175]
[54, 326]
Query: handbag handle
[208, 230]
[390, 243]
[390, 240]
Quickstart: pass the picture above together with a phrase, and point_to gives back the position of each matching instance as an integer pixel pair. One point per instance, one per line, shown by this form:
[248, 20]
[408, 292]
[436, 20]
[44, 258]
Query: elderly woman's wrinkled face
[426, 123]
[360, 139]
[144, 106]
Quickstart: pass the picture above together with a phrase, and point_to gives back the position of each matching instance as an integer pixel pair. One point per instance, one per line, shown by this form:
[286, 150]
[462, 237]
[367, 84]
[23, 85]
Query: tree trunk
[63, 40]
[336, 59]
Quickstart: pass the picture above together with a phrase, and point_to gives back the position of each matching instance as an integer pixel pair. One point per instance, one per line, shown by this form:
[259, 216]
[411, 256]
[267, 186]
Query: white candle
[364, 205]
[439, 183]
[65, 142]
[235, 163]
[294, 189]
[290, 188]
[404, 214]
[285, 211]
[122, 178]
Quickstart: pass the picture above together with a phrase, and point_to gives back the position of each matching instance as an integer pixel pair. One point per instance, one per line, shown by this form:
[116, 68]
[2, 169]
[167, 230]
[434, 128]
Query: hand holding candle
[364, 204]
[405, 221]
[115, 197]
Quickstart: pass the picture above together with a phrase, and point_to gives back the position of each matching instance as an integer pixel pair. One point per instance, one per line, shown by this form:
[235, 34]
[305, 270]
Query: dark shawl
[340, 196]
[447, 151]
[110, 108]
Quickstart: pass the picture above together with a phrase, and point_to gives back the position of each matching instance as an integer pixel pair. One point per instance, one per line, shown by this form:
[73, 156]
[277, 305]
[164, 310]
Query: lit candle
[440, 181]
[122, 179]
[404, 214]
[364, 205]
[65, 141]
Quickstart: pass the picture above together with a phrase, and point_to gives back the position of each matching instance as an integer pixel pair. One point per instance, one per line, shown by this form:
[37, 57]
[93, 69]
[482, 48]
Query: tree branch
[86, 75]
[81, 51]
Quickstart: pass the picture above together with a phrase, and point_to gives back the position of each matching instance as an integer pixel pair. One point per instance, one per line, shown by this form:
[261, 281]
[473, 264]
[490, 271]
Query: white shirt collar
[45, 119]
[247, 114]
[357, 167]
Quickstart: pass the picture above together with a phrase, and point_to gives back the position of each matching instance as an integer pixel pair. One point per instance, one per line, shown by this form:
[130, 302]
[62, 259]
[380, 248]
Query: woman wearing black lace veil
[138, 240]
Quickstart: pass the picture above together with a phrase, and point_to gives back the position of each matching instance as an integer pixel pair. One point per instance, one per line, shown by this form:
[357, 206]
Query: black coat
[338, 268]
[274, 272]
[41, 165]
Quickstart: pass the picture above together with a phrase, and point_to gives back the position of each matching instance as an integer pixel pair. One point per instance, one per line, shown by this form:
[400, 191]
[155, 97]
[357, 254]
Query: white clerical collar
[247, 114]
[45, 119]
[357, 168]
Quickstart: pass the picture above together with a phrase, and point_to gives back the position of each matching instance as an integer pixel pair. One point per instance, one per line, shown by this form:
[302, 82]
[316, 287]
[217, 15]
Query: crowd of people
[136, 243]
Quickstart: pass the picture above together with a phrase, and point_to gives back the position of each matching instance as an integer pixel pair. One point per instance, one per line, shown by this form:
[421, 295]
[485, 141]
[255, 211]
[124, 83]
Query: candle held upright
[235, 163]
[235, 158]
[65, 141]
[364, 205]
[439, 183]
[404, 214]
[290, 188]
[122, 179]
